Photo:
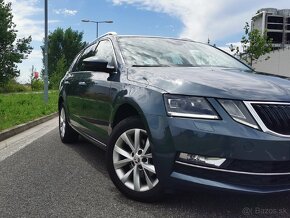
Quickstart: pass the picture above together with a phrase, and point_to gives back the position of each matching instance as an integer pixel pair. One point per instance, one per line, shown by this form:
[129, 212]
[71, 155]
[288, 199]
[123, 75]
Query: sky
[221, 21]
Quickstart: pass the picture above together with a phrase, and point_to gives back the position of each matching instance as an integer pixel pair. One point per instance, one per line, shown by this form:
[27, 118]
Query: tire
[66, 132]
[130, 164]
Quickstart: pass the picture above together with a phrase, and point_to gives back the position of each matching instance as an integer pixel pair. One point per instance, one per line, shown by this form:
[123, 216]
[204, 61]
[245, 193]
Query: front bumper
[230, 180]
[257, 162]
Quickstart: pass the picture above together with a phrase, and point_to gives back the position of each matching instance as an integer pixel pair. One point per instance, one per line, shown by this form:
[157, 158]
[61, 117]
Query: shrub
[37, 85]
[13, 86]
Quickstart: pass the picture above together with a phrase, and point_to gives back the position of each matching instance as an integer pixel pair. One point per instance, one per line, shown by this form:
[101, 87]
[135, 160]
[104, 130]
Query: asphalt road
[50, 179]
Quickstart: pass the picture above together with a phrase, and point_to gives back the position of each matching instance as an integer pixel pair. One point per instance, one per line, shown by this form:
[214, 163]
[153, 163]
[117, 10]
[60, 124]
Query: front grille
[276, 117]
[259, 166]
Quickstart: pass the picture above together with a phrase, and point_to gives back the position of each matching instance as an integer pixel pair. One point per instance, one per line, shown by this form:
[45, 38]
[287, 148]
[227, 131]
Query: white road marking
[14, 144]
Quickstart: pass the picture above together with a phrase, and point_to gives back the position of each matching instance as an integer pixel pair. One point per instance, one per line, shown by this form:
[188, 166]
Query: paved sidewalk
[13, 144]
[7, 133]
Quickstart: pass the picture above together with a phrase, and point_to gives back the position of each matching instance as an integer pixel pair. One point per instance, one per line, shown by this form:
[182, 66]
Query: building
[276, 23]
[278, 63]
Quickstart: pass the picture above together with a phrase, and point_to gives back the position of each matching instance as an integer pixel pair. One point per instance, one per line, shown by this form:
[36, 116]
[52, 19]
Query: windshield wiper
[156, 65]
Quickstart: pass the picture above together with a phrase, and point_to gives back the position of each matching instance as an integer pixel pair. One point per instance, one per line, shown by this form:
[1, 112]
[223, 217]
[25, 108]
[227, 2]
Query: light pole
[45, 52]
[97, 22]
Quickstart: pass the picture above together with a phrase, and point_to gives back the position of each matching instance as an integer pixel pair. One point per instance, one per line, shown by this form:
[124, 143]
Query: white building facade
[276, 23]
[278, 63]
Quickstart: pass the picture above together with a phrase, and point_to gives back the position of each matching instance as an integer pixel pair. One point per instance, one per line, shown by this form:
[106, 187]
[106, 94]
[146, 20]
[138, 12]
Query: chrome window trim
[259, 120]
[232, 171]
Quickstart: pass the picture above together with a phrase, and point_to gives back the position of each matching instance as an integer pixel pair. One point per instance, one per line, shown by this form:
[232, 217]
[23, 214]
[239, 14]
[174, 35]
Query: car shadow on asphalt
[92, 154]
[196, 201]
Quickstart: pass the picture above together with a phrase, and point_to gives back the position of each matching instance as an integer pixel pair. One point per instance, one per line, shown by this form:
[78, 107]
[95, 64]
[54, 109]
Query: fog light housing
[201, 160]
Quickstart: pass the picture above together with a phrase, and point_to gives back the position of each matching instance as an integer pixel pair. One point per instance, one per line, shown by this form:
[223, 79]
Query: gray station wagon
[177, 113]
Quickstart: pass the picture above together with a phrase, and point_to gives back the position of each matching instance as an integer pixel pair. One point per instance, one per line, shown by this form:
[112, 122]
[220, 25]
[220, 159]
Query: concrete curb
[22, 127]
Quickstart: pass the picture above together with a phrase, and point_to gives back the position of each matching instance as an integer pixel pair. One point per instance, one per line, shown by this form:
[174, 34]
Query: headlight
[187, 106]
[239, 112]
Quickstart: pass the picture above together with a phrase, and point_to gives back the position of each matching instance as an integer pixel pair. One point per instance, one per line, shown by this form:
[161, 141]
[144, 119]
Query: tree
[254, 45]
[60, 70]
[63, 45]
[12, 50]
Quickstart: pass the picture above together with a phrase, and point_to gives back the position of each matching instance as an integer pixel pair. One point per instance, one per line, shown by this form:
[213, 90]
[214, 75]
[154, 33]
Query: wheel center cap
[137, 160]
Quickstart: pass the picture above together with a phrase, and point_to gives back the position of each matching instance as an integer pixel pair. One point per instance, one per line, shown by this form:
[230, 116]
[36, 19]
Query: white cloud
[23, 12]
[66, 12]
[35, 54]
[201, 19]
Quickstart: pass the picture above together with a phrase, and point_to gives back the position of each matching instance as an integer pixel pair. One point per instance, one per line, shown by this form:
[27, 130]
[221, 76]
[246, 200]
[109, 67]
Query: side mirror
[99, 65]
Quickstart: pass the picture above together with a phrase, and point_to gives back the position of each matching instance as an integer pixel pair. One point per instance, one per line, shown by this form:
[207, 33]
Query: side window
[88, 52]
[105, 51]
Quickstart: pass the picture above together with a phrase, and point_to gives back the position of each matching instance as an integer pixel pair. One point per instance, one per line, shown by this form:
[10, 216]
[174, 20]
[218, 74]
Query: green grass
[20, 108]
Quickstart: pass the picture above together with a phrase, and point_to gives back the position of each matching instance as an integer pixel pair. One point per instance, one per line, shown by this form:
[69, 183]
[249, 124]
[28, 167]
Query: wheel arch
[125, 110]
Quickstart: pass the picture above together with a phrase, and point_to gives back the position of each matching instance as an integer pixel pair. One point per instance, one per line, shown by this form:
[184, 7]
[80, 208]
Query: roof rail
[108, 34]
[111, 33]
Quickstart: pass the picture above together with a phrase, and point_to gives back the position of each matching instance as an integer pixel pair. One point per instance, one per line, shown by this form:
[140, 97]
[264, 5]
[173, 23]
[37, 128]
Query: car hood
[214, 82]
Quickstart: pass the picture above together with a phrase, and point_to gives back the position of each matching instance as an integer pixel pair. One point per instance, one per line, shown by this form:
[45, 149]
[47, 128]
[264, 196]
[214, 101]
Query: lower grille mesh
[259, 166]
[236, 179]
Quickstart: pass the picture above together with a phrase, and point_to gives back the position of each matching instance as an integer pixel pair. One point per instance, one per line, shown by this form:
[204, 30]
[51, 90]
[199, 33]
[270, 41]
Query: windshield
[161, 52]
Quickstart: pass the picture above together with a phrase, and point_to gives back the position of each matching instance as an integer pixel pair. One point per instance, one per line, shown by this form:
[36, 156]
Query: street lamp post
[97, 23]
[45, 52]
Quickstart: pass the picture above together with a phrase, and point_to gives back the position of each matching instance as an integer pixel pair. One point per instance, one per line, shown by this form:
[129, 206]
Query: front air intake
[276, 117]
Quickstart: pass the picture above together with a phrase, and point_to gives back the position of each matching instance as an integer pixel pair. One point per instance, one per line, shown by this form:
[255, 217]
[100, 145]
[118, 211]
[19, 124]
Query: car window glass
[163, 52]
[88, 52]
[105, 52]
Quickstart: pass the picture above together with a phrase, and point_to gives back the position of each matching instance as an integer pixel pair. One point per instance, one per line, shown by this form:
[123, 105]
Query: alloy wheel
[62, 122]
[132, 160]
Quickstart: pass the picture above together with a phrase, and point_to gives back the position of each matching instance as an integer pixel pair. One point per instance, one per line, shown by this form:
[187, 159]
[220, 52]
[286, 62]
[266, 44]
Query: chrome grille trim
[263, 127]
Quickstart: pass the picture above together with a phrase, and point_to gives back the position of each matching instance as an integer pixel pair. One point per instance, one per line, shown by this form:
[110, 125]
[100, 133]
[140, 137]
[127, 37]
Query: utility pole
[45, 52]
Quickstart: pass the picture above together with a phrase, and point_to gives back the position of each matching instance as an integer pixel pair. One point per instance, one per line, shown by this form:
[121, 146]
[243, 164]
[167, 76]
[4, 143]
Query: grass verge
[20, 108]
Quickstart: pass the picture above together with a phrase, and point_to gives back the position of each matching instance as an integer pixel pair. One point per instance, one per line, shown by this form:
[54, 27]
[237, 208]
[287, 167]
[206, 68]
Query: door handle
[66, 82]
[82, 83]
